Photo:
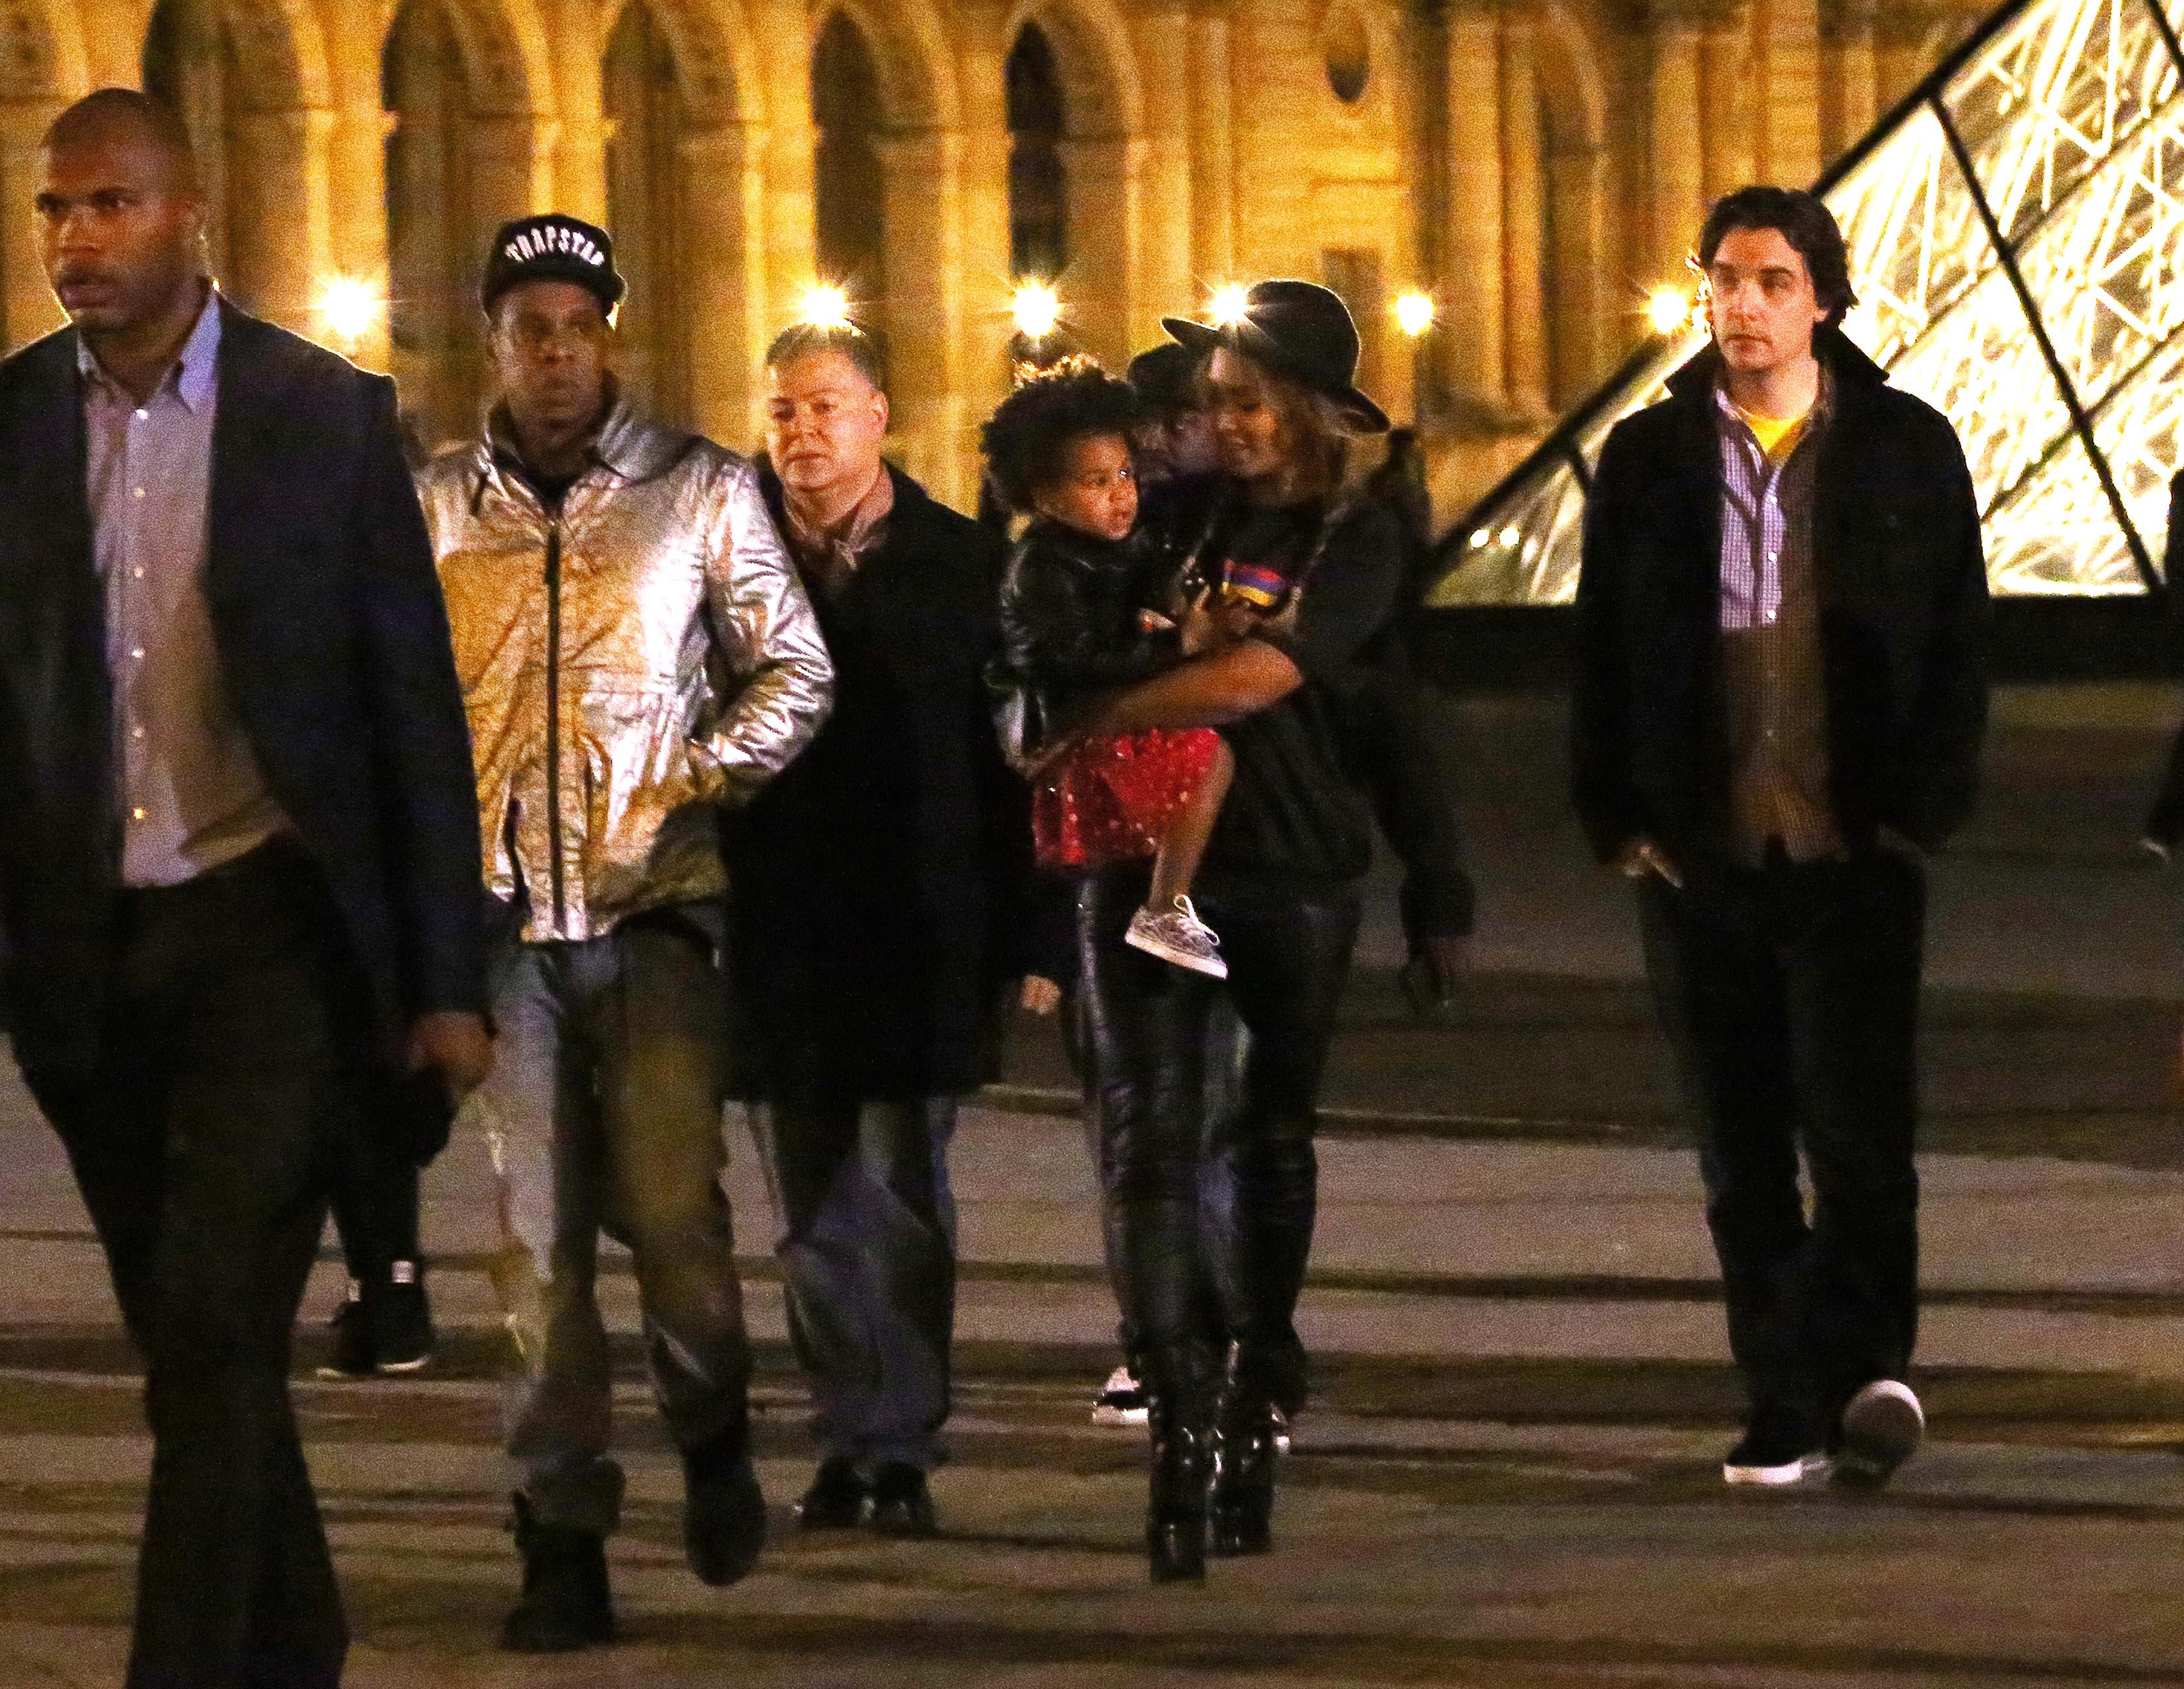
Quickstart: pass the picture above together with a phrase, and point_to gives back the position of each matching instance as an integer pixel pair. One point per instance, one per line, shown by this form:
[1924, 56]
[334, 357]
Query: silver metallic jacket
[629, 663]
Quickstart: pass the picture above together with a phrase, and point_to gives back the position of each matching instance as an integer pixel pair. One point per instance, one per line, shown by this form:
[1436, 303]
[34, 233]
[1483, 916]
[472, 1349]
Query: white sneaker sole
[1881, 1429]
[1764, 1477]
[1118, 1418]
[1211, 965]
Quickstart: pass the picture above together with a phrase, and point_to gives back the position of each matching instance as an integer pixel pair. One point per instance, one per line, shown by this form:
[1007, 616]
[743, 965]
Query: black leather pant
[1205, 1142]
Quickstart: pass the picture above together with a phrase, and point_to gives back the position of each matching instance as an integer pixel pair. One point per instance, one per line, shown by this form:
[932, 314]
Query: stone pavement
[1509, 1475]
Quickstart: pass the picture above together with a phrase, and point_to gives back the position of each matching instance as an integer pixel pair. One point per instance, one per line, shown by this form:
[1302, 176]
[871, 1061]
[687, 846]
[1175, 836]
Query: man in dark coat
[238, 847]
[1781, 697]
[872, 889]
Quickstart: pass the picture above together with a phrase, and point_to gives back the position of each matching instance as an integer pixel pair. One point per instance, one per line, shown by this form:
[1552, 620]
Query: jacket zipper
[554, 718]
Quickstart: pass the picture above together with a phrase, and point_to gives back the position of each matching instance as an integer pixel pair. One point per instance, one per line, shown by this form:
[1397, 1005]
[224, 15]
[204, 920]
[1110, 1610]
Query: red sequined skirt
[1113, 801]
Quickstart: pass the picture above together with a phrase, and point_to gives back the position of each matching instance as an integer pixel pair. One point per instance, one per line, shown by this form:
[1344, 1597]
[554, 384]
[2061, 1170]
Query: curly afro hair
[1029, 435]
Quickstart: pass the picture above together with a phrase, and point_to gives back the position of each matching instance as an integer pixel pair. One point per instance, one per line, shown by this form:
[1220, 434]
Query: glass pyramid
[2016, 227]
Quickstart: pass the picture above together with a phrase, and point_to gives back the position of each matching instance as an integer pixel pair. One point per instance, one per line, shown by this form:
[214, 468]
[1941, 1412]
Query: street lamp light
[1037, 309]
[1414, 314]
[1668, 310]
[350, 308]
[826, 306]
[1231, 304]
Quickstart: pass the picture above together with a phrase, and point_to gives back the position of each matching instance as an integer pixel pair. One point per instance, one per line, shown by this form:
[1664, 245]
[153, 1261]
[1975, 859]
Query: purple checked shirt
[193, 795]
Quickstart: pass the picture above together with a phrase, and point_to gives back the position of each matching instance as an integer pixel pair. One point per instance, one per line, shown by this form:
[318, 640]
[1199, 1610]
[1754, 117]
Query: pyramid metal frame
[2016, 230]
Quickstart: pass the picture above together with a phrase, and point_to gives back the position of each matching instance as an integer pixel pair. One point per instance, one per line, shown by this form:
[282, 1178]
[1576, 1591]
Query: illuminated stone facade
[1536, 168]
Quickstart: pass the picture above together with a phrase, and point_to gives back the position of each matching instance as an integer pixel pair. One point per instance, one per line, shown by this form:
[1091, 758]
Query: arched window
[1038, 187]
[851, 185]
[645, 213]
[433, 320]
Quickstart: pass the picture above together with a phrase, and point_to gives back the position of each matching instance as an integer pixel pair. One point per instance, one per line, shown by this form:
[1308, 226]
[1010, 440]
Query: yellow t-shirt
[1778, 436]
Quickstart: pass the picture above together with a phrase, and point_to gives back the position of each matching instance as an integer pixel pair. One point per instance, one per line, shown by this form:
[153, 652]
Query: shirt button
[136, 492]
[143, 415]
[136, 814]
[136, 653]
[136, 573]
[136, 732]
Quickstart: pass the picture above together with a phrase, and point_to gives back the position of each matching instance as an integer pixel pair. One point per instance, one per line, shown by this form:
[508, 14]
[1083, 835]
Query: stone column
[723, 200]
[1727, 65]
[28, 309]
[577, 155]
[785, 262]
[1212, 150]
[1524, 221]
[982, 364]
[356, 169]
[1575, 179]
[924, 253]
[1858, 76]
[1673, 157]
[1473, 353]
[280, 216]
[1106, 209]
[1166, 227]
[1788, 130]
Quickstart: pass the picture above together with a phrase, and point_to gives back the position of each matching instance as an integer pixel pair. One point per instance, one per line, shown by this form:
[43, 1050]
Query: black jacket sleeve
[1602, 785]
[1061, 637]
[1948, 721]
[427, 799]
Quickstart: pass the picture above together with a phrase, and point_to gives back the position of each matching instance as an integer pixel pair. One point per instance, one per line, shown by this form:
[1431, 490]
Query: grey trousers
[868, 1255]
[603, 1114]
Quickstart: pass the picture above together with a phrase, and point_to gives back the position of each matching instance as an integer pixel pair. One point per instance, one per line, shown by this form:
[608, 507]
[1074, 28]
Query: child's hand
[1205, 625]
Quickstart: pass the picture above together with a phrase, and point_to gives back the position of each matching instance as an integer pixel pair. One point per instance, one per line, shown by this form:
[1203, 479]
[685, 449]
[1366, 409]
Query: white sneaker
[1177, 936]
[1121, 1401]
[1882, 1428]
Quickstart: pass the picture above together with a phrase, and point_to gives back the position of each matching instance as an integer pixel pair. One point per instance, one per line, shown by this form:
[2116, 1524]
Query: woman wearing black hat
[1209, 1292]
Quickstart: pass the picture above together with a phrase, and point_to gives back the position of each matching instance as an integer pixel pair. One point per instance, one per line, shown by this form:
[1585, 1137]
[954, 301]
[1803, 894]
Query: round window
[1349, 55]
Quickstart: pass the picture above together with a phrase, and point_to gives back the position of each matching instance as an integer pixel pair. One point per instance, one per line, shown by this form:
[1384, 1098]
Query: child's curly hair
[1027, 437]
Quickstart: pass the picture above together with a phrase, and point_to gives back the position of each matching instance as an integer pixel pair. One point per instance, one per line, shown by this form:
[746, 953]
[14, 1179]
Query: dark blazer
[1903, 619]
[877, 885]
[333, 646]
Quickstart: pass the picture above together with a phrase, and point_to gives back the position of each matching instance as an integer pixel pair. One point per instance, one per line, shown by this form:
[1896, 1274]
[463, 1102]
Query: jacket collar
[627, 447]
[1850, 369]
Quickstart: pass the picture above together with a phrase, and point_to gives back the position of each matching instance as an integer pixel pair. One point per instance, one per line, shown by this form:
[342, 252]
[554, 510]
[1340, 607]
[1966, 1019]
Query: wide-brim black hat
[1301, 329]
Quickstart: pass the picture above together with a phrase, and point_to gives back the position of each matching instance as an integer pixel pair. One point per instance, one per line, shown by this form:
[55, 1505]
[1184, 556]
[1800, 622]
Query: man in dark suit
[874, 889]
[1781, 696]
[238, 847]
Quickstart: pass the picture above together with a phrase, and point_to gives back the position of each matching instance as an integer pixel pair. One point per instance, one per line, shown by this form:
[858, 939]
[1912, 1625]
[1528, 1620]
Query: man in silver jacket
[636, 652]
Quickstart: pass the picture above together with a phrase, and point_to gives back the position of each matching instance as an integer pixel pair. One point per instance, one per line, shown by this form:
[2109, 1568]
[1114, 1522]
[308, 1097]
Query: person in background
[877, 928]
[1781, 692]
[636, 655]
[238, 853]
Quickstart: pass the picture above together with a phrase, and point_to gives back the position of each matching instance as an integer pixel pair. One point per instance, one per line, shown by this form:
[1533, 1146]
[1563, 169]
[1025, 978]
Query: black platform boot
[566, 1605]
[1175, 1510]
[1241, 1502]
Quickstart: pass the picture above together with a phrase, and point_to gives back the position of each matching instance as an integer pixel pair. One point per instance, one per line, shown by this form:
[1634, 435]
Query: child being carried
[1084, 611]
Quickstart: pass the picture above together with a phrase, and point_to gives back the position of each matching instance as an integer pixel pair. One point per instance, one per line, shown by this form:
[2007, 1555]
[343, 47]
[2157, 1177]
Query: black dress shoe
[566, 1604]
[838, 1496]
[723, 1510]
[902, 1505]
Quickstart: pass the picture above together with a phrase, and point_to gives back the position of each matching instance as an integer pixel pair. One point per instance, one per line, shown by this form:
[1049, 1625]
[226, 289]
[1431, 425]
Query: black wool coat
[878, 886]
[332, 644]
[1903, 619]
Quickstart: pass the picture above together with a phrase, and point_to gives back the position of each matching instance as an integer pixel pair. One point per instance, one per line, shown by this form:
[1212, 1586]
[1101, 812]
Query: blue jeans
[603, 1112]
[868, 1254]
